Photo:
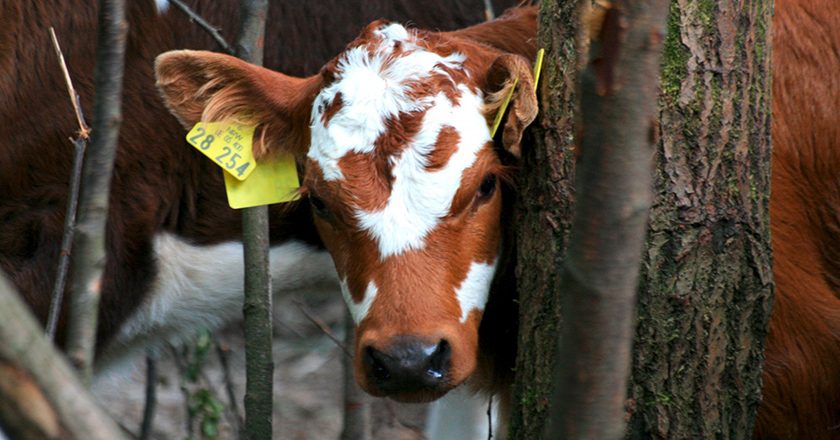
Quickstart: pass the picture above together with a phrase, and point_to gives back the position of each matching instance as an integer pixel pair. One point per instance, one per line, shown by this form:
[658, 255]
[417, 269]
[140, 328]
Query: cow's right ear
[208, 86]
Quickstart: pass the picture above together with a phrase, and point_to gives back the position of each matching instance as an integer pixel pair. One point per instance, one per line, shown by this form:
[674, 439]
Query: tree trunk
[706, 286]
[706, 282]
[543, 218]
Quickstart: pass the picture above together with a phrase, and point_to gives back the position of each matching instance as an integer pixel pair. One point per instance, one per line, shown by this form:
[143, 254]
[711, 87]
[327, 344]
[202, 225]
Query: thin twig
[181, 366]
[488, 10]
[84, 130]
[199, 20]
[490, 418]
[79, 145]
[237, 419]
[324, 328]
[151, 397]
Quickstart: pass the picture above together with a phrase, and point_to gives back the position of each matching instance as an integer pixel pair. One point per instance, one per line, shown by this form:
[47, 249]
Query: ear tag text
[227, 144]
[503, 108]
[273, 181]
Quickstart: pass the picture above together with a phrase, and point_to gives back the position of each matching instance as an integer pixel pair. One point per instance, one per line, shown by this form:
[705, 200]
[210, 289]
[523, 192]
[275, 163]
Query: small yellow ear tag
[227, 144]
[273, 181]
[506, 102]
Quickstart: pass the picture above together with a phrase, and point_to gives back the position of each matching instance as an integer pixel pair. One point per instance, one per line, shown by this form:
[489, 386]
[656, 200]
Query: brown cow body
[167, 206]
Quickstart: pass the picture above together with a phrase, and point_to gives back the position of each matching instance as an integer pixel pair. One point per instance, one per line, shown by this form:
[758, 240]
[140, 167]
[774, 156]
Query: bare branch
[44, 395]
[236, 416]
[151, 398]
[357, 404]
[199, 20]
[89, 242]
[84, 130]
[488, 10]
[79, 145]
[325, 328]
[614, 186]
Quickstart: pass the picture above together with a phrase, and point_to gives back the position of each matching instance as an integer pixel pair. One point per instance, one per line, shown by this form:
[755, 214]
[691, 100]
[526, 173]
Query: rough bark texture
[40, 395]
[706, 286]
[544, 217]
[706, 282]
[257, 305]
[89, 240]
[614, 189]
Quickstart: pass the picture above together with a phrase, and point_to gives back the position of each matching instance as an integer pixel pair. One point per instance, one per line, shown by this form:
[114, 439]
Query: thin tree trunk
[40, 395]
[257, 307]
[357, 404]
[614, 188]
[544, 217]
[706, 287]
[89, 241]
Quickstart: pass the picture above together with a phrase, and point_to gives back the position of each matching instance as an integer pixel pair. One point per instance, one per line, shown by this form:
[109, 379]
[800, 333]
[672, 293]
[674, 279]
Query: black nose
[407, 365]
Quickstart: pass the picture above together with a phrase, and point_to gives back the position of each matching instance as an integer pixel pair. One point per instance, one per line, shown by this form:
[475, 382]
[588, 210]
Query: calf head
[402, 176]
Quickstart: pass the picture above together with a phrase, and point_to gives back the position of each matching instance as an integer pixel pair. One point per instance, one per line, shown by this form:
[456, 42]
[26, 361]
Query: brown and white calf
[408, 193]
[173, 245]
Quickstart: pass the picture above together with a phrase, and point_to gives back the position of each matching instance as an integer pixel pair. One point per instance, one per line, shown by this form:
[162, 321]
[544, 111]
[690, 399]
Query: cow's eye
[488, 185]
[319, 206]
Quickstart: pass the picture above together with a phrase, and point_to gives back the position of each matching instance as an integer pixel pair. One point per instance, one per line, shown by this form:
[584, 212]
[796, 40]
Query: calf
[173, 245]
[408, 194]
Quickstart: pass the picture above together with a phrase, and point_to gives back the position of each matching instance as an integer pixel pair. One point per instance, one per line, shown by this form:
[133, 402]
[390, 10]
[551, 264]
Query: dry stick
[326, 329]
[45, 391]
[488, 10]
[357, 423]
[199, 20]
[79, 146]
[614, 192]
[151, 397]
[221, 352]
[181, 365]
[259, 365]
[89, 243]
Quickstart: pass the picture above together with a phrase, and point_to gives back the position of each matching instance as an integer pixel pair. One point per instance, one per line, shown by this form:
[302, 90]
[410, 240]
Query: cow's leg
[462, 414]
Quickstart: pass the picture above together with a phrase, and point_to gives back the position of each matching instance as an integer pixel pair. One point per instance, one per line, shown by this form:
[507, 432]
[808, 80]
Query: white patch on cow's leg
[473, 291]
[202, 287]
[461, 414]
[359, 310]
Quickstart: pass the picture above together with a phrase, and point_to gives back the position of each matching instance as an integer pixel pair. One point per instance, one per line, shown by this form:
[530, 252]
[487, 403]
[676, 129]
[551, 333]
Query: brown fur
[159, 183]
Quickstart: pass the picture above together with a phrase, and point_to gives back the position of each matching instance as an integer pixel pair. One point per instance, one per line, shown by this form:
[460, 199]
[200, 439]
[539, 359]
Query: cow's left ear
[511, 71]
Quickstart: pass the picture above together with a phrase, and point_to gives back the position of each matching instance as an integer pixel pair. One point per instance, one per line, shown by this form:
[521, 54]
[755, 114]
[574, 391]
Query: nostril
[376, 362]
[439, 360]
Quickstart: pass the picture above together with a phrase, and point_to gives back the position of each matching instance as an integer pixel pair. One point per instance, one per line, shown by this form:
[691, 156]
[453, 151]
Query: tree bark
[614, 180]
[706, 283]
[706, 287]
[543, 218]
[257, 307]
[40, 395]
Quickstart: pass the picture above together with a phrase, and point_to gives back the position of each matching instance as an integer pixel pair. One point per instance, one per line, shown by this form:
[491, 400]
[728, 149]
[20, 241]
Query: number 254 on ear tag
[227, 144]
[273, 181]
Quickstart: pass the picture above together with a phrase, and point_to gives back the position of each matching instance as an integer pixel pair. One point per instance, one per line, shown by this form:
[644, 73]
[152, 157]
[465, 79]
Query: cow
[410, 195]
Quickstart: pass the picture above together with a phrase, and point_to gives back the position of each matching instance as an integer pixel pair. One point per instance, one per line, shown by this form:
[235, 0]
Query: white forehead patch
[420, 198]
[358, 310]
[472, 294]
[374, 87]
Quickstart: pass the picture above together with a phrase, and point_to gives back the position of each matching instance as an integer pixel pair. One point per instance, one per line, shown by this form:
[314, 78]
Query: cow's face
[403, 179]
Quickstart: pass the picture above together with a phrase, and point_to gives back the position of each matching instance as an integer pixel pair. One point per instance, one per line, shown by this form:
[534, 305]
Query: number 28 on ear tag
[227, 144]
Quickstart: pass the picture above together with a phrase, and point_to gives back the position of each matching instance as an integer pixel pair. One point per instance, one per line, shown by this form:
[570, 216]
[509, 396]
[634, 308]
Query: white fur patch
[462, 415]
[374, 88]
[162, 5]
[202, 287]
[420, 198]
[359, 310]
[473, 292]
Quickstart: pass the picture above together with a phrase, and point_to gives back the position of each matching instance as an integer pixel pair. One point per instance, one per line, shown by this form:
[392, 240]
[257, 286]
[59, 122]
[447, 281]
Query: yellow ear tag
[227, 144]
[506, 102]
[274, 181]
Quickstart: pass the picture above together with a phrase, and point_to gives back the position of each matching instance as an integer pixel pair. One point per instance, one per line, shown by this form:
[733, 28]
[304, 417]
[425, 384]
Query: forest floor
[308, 383]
